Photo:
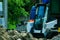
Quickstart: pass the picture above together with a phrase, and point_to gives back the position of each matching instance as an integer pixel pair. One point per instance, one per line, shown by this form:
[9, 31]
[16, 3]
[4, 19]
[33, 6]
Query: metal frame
[5, 5]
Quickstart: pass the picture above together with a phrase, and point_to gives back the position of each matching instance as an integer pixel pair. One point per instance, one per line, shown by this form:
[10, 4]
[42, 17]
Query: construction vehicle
[40, 25]
[43, 25]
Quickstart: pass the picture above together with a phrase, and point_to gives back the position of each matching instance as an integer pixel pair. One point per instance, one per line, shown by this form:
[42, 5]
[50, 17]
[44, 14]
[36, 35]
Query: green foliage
[18, 9]
[12, 26]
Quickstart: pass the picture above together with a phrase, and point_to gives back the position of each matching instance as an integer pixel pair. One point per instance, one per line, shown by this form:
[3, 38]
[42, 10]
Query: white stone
[19, 39]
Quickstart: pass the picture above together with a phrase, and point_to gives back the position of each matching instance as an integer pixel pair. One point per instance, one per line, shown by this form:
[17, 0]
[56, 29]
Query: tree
[18, 9]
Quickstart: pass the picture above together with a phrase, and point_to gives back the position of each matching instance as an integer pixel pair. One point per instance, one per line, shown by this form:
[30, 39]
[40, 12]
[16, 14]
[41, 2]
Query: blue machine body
[45, 1]
[41, 11]
[32, 12]
[40, 14]
[40, 17]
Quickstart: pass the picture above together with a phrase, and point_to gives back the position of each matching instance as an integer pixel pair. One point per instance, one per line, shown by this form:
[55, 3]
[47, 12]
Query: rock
[15, 35]
[4, 35]
[23, 34]
[34, 39]
[56, 37]
[48, 39]
[41, 38]
[18, 39]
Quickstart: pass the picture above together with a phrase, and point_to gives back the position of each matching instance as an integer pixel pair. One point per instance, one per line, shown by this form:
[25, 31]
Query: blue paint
[45, 1]
[32, 12]
[41, 11]
[0, 6]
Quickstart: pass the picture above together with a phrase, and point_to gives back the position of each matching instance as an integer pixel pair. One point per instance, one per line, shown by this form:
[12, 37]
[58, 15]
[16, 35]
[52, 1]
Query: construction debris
[4, 35]
[15, 35]
[56, 37]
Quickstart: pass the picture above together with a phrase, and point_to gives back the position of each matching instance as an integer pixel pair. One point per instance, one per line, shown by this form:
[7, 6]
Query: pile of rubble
[4, 35]
[14, 35]
[56, 37]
